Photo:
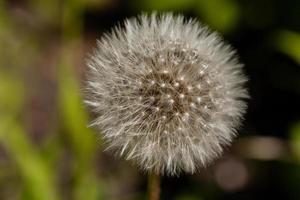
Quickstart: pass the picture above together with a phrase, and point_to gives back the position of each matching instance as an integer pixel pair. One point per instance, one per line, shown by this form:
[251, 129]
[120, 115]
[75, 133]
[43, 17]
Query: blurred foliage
[295, 139]
[221, 15]
[11, 102]
[37, 172]
[37, 176]
[188, 197]
[166, 5]
[47, 150]
[289, 43]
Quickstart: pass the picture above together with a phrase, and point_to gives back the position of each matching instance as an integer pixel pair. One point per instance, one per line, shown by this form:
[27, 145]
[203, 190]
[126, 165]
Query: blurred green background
[48, 153]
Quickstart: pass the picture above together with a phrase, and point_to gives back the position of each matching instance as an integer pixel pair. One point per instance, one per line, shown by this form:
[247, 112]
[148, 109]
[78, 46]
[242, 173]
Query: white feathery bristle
[168, 93]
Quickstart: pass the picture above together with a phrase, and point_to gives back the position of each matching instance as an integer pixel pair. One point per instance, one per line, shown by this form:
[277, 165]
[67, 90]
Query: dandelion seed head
[168, 93]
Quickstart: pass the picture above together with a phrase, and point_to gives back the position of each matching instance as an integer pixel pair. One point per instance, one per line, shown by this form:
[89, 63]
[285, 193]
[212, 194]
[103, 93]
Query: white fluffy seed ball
[168, 93]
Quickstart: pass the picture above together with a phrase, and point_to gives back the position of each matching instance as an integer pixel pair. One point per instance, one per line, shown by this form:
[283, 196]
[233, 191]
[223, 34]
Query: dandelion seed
[152, 82]
[198, 99]
[197, 125]
[171, 101]
[189, 88]
[152, 98]
[181, 78]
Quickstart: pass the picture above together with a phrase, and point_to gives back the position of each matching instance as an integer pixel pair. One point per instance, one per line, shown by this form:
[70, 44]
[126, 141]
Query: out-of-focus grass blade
[3, 17]
[11, 94]
[38, 178]
[71, 107]
[83, 140]
[72, 112]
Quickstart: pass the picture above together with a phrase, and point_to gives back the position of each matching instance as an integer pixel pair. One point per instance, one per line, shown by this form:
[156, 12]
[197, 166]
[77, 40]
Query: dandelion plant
[168, 93]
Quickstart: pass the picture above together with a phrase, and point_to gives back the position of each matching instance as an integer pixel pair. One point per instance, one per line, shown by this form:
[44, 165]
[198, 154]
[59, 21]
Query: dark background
[46, 149]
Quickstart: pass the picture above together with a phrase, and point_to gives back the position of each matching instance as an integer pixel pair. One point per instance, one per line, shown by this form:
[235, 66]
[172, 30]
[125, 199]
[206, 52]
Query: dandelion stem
[153, 186]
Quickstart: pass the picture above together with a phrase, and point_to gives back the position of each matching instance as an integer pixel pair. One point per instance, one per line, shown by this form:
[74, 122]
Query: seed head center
[165, 94]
